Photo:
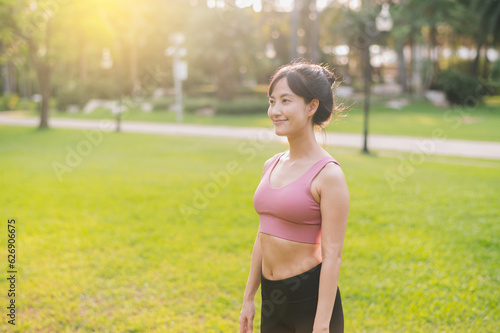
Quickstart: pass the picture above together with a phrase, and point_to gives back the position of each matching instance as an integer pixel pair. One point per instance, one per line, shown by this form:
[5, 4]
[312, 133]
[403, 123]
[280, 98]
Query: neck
[303, 145]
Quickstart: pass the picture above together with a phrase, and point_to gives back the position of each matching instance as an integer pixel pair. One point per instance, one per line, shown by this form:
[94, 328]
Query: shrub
[460, 88]
[68, 97]
[80, 93]
[495, 71]
[162, 103]
[200, 90]
[232, 107]
[242, 106]
[193, 104]
[494, 79]
[8, 102]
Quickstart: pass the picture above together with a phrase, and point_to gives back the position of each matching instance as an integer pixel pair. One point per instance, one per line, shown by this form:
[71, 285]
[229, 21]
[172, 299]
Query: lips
[279, 121]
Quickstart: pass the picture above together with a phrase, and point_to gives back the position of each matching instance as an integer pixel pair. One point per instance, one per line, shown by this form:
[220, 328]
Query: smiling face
[289, 112]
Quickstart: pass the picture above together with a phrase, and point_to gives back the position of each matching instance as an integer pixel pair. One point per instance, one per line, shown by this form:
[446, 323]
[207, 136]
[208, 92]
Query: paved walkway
[438, 145]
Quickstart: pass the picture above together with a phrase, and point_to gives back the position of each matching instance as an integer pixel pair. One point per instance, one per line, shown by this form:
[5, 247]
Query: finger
[243, 326]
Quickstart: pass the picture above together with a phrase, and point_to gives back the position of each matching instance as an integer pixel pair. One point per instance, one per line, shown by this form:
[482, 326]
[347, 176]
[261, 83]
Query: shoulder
[331, 176]
[330, 184]
[266, 163]
[270, 160]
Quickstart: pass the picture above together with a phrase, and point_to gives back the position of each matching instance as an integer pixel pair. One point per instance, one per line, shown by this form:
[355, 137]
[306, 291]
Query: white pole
[179, 69]
[178, 85]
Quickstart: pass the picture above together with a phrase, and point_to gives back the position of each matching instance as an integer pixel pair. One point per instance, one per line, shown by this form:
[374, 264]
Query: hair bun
[330, 76]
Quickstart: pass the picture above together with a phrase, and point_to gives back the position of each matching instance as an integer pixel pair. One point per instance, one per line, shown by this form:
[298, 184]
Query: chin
[280, 132]
[284, 129]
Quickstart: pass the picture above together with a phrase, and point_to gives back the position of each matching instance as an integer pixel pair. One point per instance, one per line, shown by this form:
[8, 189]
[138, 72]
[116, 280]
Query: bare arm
[334, 203]
[248, 308]
[253, 282]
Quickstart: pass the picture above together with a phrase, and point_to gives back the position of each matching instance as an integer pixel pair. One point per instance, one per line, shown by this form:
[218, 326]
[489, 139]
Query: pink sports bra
[290, 211]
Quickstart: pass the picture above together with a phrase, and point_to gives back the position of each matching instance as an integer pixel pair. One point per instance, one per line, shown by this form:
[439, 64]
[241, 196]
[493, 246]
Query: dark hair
[310, 81]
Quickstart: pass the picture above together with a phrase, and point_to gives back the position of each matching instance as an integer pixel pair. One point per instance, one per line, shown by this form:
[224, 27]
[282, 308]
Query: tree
[219, 42]
[28, 24]
[487, 29]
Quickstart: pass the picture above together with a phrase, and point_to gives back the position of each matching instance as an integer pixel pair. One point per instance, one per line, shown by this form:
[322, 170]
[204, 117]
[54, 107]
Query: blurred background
[72, 56]
[145, 232]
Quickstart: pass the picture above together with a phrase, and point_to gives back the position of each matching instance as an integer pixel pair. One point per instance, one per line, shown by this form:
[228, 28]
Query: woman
[303, 203]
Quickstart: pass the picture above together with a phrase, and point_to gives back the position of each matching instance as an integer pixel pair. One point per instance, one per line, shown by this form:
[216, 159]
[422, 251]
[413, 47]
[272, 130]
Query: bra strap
[314, 171]
[273, 162]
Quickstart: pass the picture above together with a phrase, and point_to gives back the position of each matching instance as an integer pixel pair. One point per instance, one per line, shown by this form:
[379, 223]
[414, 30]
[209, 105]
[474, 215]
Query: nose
[274, 110]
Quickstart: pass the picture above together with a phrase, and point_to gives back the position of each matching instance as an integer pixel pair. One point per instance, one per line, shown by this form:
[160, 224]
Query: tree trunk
[134, 76]
[411, 42]
[294, 27]
[366, 105]
[44, 69]
[28, 83]
[82, 68]
[5, 74]
[44, 73]
[314, 17]
[417, 70]
[402, 77]
[475, 64]
[433, 52]
[13, 78]
[486, 66]
[5, 79]
[226, 83]
[134, 72]
[434, 68]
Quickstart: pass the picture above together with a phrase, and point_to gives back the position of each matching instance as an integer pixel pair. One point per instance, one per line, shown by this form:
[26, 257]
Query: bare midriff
[282, 258]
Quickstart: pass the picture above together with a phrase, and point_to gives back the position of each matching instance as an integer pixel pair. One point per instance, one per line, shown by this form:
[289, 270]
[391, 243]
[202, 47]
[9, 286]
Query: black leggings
[289, 305]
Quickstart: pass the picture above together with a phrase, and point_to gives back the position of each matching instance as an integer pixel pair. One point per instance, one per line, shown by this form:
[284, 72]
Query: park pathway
[437, 145]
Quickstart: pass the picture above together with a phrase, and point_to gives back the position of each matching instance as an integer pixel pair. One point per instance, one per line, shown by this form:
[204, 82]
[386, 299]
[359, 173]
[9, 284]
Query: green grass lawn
[417, 119]
[151, 233]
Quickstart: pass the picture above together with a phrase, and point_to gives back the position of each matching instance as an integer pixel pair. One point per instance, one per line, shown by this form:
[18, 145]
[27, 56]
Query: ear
[313, 106]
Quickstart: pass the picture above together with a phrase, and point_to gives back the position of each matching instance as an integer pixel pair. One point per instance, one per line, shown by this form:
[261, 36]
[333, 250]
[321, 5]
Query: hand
[321, 330]
[246, 317]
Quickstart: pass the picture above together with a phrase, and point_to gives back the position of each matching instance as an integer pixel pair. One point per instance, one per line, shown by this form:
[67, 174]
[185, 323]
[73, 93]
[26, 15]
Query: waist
[292, 279]
[298, 288]
[282, 258]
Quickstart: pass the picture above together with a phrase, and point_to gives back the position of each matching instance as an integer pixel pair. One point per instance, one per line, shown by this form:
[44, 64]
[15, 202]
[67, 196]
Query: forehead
[281, 88]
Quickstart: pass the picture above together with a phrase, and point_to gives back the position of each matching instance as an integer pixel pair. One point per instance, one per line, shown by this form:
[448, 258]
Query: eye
[271, 102]
[286, 100]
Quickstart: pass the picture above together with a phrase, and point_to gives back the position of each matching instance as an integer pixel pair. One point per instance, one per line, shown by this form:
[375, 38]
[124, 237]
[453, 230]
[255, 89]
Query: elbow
[332, 256]
[334, 260]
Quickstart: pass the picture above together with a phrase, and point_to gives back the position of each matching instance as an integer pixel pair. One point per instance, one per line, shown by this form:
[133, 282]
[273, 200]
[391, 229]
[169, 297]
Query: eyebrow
[282, 95]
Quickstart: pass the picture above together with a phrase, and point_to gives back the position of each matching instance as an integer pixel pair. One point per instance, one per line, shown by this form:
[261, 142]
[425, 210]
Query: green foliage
[13, 102]
[239, 106]
[495, 71]
[209, 91]
[220, 51]
[68, 97]
[225, 46]
[489, 23]
[80, 94]
[108, 250]
[192, 105]
[163, 103]
[242, 106]
[200, 90]
[8, 102]
[460, 88]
